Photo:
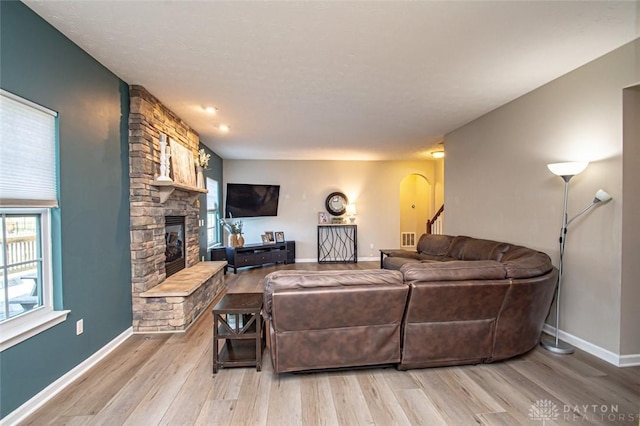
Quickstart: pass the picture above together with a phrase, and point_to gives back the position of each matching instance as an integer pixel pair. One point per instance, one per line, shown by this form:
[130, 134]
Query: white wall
[304, 185]
[498, 185]
[630, 316]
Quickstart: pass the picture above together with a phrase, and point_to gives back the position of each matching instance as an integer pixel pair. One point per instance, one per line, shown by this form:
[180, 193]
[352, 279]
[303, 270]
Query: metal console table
[337, 243]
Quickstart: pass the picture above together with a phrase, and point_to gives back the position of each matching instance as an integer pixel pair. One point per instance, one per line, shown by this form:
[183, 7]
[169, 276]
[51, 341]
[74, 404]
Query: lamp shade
[351, 209]
[568, 169]
[602, 196]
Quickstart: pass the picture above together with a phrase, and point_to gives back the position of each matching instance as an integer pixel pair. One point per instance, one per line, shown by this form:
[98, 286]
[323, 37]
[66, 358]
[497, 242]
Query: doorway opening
[416, 208]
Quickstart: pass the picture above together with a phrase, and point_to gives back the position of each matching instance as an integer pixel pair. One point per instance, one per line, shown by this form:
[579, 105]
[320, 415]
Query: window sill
[26, 326]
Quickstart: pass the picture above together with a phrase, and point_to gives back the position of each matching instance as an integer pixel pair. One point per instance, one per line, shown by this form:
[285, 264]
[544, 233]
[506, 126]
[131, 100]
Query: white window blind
[27, 153]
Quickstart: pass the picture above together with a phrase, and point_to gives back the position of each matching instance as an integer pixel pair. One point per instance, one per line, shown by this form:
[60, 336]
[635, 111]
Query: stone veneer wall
[147, 119]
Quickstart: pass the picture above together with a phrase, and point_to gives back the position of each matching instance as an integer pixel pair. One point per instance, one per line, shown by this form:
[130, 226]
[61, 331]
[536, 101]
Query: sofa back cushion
[321, 282]
[435, 245]
[523, 262]
[456, 270]
[467, 248]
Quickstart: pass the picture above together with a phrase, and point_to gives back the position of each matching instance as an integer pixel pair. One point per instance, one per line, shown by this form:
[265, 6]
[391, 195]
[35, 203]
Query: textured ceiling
[339, 80]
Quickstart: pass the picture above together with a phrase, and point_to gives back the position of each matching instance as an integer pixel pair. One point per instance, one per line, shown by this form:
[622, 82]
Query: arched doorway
[416, 194]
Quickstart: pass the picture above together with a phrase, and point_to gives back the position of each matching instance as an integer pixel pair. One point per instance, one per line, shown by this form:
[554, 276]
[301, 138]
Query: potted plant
[234, 228]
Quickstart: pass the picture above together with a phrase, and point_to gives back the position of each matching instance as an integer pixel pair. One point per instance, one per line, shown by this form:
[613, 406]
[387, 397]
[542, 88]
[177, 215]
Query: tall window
[213, 214]
[28, 192]
[23, 267]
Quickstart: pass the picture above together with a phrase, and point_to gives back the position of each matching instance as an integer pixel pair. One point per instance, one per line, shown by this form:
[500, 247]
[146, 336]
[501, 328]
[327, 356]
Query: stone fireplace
[154, 213]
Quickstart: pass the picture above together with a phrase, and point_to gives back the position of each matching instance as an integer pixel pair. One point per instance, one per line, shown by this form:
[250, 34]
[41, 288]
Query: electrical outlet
[79, 327]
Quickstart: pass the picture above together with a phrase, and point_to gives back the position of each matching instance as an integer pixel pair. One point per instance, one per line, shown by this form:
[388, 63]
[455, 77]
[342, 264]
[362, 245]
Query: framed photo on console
[279, 237]
[270, 237]
[323, 217]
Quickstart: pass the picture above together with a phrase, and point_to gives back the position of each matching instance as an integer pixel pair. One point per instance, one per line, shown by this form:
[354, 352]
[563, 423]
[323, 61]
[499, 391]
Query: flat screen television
[248, 200]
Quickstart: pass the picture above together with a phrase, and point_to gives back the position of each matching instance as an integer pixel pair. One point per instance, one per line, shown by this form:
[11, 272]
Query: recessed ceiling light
[211, 110]
[437, 154]
[224, 127]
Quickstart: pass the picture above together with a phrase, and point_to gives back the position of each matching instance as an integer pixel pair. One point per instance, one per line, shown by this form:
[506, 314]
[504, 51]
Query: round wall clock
[336, 203]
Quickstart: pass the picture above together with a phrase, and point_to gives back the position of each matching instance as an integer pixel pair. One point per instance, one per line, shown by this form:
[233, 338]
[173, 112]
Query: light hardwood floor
[167, 380]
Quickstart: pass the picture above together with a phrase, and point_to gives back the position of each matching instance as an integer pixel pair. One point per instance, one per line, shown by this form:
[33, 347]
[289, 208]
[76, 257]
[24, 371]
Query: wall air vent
[408, 239]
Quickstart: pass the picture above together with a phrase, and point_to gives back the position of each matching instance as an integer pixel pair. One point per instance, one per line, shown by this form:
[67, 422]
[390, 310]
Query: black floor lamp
[566, 171]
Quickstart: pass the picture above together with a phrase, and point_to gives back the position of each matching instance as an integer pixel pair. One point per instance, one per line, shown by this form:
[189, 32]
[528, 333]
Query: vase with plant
[234, 228]
[201, 161]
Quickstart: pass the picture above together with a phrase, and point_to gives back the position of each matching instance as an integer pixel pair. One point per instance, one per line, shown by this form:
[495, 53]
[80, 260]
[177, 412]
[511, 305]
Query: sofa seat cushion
[403, 253]
[395, 263]
[433, 258]
[467, 248]
[435, 245]
[454, 271]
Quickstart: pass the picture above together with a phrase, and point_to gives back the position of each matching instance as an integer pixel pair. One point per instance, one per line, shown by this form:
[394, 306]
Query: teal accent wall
[91, 227]
[214, 171]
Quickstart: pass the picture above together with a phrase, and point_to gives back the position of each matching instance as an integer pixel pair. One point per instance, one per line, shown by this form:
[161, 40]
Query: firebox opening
[175, 258]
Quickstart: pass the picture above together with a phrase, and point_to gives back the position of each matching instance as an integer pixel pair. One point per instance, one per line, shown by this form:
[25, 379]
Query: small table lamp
[351, 212]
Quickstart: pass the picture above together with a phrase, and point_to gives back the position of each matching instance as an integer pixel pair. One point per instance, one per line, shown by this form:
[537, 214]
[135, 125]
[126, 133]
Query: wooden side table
[238, 323]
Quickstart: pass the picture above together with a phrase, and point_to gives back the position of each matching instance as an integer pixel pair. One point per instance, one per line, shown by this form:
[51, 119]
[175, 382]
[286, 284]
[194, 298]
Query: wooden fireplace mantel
[166, 188]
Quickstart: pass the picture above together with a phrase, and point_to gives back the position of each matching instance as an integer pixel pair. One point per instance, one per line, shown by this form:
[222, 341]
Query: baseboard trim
[26, 409]
[595, 350]
[630, 360]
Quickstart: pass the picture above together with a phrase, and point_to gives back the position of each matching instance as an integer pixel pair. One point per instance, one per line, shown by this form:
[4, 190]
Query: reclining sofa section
[334, 319]
[471, 300]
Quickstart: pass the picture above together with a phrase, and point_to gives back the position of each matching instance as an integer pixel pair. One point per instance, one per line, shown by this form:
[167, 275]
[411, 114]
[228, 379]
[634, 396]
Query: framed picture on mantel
[182, 166]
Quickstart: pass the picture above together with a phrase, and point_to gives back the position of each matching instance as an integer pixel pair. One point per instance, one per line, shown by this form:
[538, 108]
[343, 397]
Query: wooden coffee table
[238, 323]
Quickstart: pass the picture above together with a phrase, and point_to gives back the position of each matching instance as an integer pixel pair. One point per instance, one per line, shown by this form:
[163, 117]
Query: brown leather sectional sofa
[455, 300]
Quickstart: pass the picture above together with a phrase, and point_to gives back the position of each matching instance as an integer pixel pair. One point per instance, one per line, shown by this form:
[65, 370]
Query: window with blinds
[28, 192]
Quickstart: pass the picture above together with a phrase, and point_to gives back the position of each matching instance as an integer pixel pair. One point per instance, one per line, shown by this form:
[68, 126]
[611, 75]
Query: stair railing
[434, 225]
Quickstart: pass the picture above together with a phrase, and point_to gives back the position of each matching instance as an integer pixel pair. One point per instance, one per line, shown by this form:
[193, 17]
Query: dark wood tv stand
[260, 254]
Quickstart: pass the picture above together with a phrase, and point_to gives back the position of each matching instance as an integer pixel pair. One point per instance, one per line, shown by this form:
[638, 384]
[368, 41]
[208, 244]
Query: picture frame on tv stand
[271, 239]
